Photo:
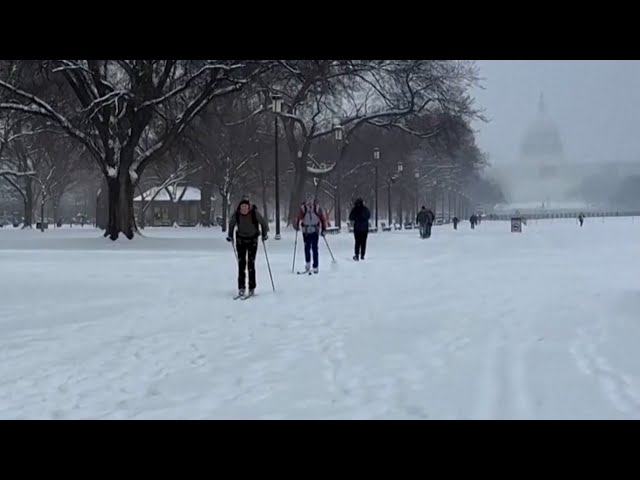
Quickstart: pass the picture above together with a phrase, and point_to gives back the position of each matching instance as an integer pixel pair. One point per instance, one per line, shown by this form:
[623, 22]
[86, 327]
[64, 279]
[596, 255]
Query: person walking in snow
[312, 220]
[581, 219]
[359, 217]
[425, 220]
[250, 226]
[473, 220]
[455, 221]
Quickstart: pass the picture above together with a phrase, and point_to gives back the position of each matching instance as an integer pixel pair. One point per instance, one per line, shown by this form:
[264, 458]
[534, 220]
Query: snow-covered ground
[468, 324]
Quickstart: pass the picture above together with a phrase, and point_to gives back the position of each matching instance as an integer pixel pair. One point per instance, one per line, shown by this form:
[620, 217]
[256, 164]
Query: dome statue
[541, 141]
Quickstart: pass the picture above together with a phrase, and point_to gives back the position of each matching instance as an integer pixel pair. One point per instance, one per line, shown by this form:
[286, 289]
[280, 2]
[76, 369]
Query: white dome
[542, 138]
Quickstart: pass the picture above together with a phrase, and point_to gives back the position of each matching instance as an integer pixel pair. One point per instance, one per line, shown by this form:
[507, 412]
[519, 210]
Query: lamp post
[416, 175]
[337, 205]
[400, 168]
[276, 105]
[376, 158]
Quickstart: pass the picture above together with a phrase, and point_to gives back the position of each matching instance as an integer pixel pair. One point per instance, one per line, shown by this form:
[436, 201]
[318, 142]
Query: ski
[247, 297]
[236, 297]
[304, 273]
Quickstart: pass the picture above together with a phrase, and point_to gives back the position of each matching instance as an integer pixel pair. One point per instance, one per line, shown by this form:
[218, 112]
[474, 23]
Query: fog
[595, 104]
[595, 107]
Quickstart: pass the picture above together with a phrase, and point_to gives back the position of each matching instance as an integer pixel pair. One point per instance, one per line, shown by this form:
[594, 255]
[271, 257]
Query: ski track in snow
[457, 326]
[620, 388]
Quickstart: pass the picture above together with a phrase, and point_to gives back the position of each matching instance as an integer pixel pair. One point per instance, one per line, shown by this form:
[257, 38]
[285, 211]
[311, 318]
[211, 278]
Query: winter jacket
[248, 225]
[425, 217]
[360, 216]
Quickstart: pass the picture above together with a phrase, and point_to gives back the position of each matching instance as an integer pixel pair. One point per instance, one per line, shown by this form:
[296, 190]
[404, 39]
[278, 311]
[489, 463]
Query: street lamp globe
[339, 131]
[400, 167]
[376, 153]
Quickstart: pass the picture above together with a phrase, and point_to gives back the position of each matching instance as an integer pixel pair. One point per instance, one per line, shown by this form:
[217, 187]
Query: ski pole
[266, 256]
[333, 260]
[235, 252]
[295, 249]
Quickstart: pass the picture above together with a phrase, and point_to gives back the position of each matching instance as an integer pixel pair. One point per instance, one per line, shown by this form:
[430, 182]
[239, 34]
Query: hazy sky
[594, 103]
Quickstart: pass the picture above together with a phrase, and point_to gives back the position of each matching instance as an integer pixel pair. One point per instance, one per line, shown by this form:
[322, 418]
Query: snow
[191, 195]
[468, 324]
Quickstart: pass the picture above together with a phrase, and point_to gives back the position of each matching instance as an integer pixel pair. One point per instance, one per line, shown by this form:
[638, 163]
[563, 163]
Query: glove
[265, 237]
[229, 239]
[323, 233]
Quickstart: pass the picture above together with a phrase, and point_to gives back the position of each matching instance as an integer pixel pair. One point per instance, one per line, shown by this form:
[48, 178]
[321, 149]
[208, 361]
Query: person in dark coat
[581, 219]
[359, 217]
[250, 225]
[455, 223]
[425, 219]
[473, 220]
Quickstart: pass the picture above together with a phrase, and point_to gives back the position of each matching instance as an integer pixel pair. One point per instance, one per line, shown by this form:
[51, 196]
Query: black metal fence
[549, 216]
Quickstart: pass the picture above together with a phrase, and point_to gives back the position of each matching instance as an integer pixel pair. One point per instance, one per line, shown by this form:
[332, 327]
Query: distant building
[541, 146]
[182, 206]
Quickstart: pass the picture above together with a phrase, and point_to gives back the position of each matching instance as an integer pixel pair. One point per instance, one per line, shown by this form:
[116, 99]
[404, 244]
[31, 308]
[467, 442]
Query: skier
[425, 219]
[250, 224]
[473, 220]
[581, 219]
[313, 222]
[359, 217]
[455, 221]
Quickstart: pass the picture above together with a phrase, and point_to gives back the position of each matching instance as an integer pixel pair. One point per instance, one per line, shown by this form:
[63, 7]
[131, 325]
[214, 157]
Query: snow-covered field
[479, 324]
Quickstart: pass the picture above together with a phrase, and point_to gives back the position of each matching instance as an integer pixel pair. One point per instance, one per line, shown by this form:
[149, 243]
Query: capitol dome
[542, 138]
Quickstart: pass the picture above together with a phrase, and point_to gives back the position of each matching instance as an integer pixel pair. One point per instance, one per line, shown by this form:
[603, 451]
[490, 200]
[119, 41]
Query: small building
[180, 205]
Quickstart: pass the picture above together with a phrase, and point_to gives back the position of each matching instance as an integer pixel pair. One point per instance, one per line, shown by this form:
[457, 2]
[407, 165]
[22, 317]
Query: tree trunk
[121, 217]
[297, 193]
[173, 212]
[225, 210]
[55, 204]
[28, 205]
[265, 208]
[206, 191]
[142, 210]
[102, 205]
[42, 205]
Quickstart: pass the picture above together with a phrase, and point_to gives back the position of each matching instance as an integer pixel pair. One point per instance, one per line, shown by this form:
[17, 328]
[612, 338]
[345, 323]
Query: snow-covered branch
[4, 172]
[190, 81]
[42, 108]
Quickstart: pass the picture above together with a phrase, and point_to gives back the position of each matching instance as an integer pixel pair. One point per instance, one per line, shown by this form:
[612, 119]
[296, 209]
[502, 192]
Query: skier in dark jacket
[473, 220]
[359, 217]
[581, 219]
[425, 220]
[250, 225]
[455, 221]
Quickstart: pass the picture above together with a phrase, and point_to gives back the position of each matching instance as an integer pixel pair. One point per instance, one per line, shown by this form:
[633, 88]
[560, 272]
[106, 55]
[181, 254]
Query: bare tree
[320, 96]
[108, 105]
[227, 141]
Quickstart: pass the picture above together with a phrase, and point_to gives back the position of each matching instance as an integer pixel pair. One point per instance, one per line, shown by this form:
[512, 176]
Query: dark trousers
[425, 230]
[361, 243]
[247, 249]
[311, 244]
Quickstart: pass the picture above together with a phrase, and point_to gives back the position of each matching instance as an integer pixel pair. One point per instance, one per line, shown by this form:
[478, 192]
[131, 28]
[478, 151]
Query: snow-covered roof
[192, 194]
